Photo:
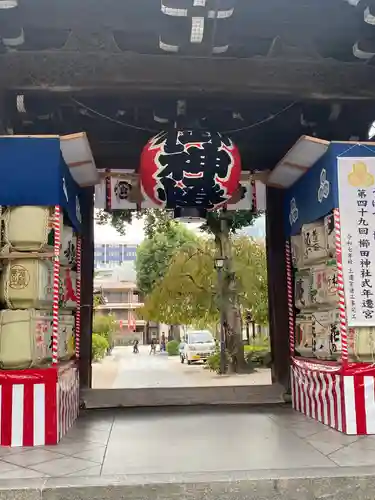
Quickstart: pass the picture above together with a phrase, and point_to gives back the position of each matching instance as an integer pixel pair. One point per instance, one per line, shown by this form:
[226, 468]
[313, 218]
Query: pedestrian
[153, 347]
[162, 343]
[135, 346]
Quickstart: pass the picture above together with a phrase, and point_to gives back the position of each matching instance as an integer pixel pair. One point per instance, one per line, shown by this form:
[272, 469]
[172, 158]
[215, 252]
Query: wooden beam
[87, 286]
[61, 71]
[277, 298]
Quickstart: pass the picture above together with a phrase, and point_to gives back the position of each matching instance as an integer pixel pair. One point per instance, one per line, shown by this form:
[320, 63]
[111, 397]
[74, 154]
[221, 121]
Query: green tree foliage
[157, 221]
[118, 219]
[185, 294]
[250, 268]
[151, 269]
[97, 300]
[188, 292]
[155, 253]
[104, 326]
[236, 220]
[99, 347]
[172, 348]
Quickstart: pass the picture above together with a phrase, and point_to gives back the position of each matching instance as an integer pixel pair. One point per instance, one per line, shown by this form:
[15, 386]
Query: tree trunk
[231, 309]
[254, 332]
[176, 334]
[248, 332]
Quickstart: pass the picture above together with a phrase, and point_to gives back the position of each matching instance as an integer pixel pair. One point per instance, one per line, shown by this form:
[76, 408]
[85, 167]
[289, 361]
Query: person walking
[153, 347]
[162, 343]
[135, 346]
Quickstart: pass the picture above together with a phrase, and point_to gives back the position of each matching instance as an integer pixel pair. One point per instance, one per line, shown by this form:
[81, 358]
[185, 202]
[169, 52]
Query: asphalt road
[123, 369]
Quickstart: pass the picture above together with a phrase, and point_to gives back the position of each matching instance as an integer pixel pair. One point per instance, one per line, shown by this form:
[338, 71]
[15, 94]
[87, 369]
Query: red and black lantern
[188, 168]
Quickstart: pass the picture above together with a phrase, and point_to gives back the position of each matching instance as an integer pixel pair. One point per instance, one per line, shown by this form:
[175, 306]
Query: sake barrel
[330, 235]
[302, 287]
[28, 228]
[27, 284]
[304, 338]
[68, 248]
[335, 335]
[297, 252]
[313, 242]
[321, 321]
[68, 288]
[332, 282]
[319, 284]
[1, 228]
[21, 343]
[66, 336]
[362, 347]
[66, 346]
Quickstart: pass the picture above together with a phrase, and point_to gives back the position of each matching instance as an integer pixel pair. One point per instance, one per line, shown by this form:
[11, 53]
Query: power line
[260, 122]
[144, 129]
[113, 120]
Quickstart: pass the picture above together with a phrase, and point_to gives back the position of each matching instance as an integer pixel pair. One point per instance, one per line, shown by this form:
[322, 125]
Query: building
[120, 297]
[113, 254]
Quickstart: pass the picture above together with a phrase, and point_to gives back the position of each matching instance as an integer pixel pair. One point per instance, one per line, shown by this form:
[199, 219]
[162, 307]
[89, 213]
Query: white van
[198, 346]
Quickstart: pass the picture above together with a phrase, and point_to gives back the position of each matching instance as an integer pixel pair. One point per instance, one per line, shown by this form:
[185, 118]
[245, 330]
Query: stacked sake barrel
[315, 293]
[316, 297]
[26, 288]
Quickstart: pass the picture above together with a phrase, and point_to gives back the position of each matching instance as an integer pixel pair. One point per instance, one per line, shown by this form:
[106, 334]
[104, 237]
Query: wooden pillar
[277, 294]
[3, 112]
[87, 285]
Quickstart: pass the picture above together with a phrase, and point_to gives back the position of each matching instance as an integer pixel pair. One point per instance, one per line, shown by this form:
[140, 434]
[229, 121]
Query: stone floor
[190, 440]
[122, 369]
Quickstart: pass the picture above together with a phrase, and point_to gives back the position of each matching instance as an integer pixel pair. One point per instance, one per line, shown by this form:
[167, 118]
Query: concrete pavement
[123, 369]
[265, 453]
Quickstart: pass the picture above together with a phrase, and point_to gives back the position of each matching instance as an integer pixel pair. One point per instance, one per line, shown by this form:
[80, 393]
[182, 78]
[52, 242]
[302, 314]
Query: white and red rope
[78, 294]
[340, 288]
[56, 286]
[289, 287]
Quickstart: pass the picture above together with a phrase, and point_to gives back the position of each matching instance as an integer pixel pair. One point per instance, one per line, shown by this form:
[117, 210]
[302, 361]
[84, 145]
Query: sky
[135, 233]
[107, 234]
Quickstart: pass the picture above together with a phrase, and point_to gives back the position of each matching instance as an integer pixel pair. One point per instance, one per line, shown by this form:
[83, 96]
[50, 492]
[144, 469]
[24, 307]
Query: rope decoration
[289, 285]
[340, 288]
[56, 287]
[78, 295]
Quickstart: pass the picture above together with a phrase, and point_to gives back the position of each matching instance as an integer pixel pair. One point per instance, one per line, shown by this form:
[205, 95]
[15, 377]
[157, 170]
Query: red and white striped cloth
[344, 401]
[38, 406]
[317, 394]
[68, 396]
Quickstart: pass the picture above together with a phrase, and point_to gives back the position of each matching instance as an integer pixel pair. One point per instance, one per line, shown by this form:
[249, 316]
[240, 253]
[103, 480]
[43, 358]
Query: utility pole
[221, 265]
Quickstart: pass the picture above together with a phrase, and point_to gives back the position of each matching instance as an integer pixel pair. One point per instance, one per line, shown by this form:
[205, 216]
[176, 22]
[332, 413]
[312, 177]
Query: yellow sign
[360, 177]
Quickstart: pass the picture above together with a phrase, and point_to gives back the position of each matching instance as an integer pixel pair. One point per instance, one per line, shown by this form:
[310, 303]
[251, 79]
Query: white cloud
[135, 231]
[107, 234]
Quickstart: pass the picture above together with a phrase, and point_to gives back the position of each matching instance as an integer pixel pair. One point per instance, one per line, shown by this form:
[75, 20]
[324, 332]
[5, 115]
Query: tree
[222, 225]
[117, 219]
[158, 221]
[188, 292]
[104, 326]
[155, 253]
[250, 267]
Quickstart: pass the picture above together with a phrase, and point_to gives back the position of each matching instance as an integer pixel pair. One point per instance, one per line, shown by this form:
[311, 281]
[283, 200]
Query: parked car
[198, 346]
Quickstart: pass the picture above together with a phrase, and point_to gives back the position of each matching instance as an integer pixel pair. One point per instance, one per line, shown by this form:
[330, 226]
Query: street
[123, 369]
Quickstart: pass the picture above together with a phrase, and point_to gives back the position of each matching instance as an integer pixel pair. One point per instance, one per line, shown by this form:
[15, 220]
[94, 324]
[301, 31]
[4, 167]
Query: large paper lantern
[185, 168]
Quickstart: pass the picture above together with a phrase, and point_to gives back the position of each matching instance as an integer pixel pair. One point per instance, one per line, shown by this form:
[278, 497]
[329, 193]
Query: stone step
[182, 396]
[305, 484]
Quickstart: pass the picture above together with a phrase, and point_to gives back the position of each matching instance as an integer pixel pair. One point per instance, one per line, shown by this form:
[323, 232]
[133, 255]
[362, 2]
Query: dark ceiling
[266, 71]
